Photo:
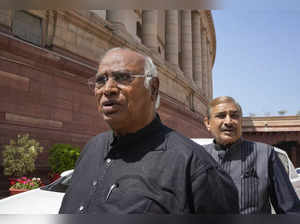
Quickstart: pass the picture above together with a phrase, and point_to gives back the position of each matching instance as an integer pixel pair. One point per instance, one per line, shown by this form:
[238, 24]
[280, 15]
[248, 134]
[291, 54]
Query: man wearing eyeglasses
[142, 166]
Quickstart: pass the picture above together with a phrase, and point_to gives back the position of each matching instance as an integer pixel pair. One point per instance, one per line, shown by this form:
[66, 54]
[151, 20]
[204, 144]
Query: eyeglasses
[121, 78]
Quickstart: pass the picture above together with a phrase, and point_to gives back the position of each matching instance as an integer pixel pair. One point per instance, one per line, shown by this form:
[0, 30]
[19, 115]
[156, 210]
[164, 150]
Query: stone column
[207, 68]
[196, 43]
[117, 17]
[149, 29]
[171, 34]
[210, 84]
[204, 61]
[186, 39]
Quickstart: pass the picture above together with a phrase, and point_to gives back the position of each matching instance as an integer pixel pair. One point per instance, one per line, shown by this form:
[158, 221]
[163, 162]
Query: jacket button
[81, 208]
[108, 161]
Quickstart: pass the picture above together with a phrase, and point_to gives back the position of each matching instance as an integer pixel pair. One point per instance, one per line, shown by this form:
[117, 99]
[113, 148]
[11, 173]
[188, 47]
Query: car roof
[203, 141]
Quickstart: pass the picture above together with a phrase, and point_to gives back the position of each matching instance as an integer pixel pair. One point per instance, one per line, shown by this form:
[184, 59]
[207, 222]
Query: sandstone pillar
[117, 17]
[149, 29]
[196, 44]
[187, 54]
[210, 84]
[204, 61]
[171, 34]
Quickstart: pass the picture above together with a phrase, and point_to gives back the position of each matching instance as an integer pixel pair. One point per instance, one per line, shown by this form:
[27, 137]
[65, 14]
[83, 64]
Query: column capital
[196, 11]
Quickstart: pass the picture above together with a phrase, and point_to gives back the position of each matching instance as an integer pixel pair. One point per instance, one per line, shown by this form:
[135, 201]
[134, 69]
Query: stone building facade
[280, 131]
[46, 57]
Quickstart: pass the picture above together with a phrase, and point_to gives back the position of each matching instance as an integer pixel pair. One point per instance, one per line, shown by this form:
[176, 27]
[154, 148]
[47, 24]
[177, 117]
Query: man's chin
[108, 117]
[225, 140]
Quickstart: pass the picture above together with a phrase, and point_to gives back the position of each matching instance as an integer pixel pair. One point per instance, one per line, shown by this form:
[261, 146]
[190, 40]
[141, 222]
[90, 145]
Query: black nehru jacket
[259, 176]
[154, 171]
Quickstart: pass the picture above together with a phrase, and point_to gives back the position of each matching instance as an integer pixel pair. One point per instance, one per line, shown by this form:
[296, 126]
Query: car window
[59, 185]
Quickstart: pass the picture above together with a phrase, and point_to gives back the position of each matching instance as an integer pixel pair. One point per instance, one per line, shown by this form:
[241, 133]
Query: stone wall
[41, 95]
[273, 130]
[44, 88]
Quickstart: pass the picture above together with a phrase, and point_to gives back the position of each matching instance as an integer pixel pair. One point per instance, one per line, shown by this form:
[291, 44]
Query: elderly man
[254, 167]
[142, 166]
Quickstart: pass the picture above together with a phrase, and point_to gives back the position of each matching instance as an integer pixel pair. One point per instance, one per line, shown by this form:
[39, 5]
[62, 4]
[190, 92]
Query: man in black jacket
[254, 167]
[142, 166]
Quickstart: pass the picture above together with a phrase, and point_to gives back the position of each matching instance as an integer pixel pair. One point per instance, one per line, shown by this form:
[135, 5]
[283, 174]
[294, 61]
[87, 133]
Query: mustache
[228, 129]
[110, 102]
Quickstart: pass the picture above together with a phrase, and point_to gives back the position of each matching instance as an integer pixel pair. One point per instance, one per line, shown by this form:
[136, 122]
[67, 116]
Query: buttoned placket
[95, 185]
[106, 194]
[222, 156]
[98, 183]
[225, 160]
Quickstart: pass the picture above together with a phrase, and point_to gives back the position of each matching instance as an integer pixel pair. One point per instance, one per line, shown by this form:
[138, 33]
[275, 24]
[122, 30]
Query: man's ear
[207, 124]
[154, 85]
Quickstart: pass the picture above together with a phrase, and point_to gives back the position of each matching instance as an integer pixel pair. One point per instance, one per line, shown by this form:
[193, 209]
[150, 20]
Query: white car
[44, 200]
[288, 165]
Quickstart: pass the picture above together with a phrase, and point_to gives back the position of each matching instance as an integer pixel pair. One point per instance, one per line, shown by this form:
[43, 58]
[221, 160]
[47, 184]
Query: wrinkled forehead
[122, 60]
[226, 108]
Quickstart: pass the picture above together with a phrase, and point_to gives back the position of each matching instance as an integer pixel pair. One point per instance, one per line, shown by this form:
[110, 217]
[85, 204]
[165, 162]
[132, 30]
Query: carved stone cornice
[271, 124]
[96, 26]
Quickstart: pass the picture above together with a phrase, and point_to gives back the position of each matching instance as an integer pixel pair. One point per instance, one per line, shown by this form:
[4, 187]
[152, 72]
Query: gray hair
[220, 100]
[150, 71]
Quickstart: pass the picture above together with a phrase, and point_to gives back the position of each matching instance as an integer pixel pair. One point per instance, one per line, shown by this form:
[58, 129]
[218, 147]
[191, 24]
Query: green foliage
[63, 157]
[20, 155]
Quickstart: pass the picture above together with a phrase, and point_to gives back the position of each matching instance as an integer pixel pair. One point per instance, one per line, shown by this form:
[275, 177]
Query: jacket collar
[228, 148]
[122, 143]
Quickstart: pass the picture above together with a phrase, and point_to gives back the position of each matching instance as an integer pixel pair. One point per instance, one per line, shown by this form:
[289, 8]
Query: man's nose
[228, 119]
[110, 87]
